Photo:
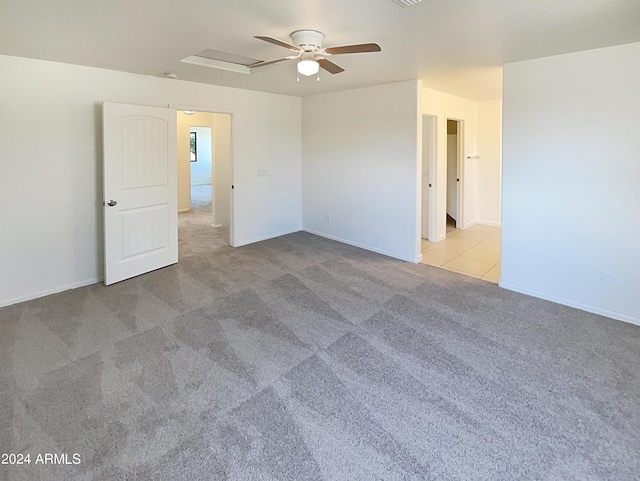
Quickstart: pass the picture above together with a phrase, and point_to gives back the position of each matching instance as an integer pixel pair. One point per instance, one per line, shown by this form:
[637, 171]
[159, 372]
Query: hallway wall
[201, 169]
[223, 172]
[185, 122]
[489, 165]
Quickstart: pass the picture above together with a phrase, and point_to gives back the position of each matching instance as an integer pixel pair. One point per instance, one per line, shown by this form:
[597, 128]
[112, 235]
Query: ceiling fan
[307, 45]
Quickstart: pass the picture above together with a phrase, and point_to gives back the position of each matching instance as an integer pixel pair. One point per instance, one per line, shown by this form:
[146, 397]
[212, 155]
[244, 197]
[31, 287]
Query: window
[194, 147]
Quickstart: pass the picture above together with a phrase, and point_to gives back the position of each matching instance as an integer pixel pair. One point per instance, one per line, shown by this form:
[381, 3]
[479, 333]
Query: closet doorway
[454, 150]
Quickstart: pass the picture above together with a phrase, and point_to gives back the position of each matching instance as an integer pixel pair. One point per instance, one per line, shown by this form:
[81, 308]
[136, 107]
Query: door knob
[111, 203]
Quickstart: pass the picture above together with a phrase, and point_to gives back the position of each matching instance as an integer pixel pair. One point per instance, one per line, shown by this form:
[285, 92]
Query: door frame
[232, 114]
[460, 221]
[460, 165]
[433, 170]
[438, 178]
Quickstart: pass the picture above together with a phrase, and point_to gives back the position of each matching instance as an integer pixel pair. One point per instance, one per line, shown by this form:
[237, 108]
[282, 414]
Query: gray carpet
[302, 358]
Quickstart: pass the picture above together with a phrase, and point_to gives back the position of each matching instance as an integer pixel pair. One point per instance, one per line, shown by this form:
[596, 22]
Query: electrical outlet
[263, 172]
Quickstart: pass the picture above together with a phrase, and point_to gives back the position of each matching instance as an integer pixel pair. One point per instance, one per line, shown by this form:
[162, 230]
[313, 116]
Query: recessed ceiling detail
[406, 3]
[221, 60]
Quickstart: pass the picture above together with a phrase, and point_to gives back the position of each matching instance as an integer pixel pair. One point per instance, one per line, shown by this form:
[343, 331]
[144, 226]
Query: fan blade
[364, 47]
[329, 66]
[278, 42]
[262, 64]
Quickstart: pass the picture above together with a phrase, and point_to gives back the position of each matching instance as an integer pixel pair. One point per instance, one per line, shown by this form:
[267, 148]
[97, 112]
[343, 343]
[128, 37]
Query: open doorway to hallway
[204, 177]
[474, 251]
[441, 179]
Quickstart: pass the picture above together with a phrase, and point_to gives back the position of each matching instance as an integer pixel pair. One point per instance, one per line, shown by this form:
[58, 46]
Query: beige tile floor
[473, 252]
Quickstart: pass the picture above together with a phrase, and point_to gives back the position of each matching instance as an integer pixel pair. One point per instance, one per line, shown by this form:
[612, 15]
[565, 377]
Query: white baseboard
[266, 237]
[566, 302]
[482, 222]
[414, 260]
[48, 292]
[492, 223]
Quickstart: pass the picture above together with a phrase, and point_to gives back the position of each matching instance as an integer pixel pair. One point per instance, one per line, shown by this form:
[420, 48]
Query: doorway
[145, 187]
[205, 172]
[442, 181]
[454, 149]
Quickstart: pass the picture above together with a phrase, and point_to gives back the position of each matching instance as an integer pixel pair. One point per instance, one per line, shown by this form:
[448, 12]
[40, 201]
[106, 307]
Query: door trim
[232, 114]
[433, 171]
[460, 166]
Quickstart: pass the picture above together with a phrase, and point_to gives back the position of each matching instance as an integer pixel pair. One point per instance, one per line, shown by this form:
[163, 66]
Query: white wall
[223, 177]
[571, 164]
[184, 123]
[428, 156]
[201, 169]
[361, 167]
[444, 106]
[489, 166]
[50, 164]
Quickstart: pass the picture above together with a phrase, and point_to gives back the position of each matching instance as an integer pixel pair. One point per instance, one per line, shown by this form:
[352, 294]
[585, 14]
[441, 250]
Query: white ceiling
[456, 46]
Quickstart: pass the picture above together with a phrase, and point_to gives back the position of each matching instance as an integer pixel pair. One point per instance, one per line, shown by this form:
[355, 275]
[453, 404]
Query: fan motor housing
[307, 39]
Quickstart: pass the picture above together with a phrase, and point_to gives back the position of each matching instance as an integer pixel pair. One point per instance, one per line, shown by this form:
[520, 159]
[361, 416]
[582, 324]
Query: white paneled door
[140, 190]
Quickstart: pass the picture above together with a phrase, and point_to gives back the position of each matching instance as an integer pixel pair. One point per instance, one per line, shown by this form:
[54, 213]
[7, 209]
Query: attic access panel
[221, 60]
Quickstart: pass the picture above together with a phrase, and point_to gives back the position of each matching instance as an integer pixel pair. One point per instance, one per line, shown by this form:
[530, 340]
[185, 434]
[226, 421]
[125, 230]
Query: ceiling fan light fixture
[308, 67]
